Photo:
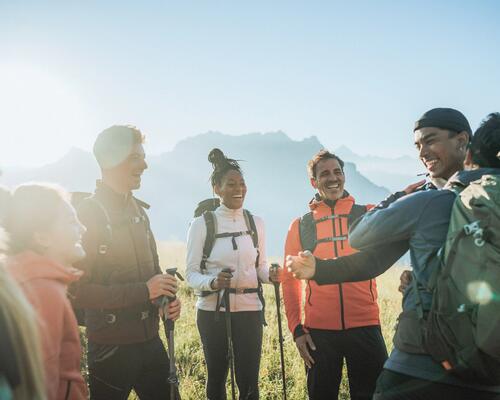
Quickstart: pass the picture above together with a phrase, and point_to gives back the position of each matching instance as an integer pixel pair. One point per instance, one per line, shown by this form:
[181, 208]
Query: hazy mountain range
[274, 167]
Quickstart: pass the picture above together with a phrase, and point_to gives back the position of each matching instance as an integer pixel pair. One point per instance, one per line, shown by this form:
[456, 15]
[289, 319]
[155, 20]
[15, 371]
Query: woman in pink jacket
[44, 241]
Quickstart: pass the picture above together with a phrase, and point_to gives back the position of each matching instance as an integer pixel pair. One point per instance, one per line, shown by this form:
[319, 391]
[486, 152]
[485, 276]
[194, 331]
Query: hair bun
[216, 157]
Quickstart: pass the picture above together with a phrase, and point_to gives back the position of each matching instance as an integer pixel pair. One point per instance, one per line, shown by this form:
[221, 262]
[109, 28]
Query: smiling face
[441, 154]
[62, 241]
[126, 176]
[232, 190]
[329, 179]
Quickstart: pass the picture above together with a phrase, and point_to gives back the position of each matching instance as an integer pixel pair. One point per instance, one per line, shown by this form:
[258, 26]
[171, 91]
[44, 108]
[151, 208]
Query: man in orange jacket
[342, 320]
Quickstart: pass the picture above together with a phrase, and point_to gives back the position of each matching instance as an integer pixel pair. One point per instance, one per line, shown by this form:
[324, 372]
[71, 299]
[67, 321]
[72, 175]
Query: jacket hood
[29, 265]
[317, 201]
[463, 178]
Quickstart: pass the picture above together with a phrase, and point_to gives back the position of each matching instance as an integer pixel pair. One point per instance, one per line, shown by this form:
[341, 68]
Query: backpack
[462, 328]
[308, 227]
[206, 209]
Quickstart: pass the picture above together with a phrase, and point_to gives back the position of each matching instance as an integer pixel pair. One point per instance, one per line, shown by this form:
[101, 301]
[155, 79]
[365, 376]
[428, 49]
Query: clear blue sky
[355, 74]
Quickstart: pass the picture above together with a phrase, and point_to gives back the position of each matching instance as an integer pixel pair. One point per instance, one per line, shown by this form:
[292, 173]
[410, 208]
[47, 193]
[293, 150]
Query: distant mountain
[392, 173]
[274, 167]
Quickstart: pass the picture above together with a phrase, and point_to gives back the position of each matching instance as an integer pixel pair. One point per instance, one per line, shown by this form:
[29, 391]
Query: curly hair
[485, 144]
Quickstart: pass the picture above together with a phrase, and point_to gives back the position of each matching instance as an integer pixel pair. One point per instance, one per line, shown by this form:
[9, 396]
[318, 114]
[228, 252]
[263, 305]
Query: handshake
[302, 266]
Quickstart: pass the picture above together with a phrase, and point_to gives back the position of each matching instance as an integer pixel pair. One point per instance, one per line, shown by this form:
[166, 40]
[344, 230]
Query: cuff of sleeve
[139, 293]
[207, 284]
[298, 331]
[323, 270]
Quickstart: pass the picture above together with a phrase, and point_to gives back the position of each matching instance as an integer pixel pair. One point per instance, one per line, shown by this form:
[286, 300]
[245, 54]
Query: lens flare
[479, 292]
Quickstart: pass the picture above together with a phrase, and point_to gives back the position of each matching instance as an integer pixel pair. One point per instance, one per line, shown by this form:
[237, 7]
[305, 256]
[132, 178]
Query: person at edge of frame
[235, 248]
[21, 367]
[342, 320]
[44, 240]
[122, 277]
[407, 375]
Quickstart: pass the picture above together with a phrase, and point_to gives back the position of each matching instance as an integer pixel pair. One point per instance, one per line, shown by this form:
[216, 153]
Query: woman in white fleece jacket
[237, 252]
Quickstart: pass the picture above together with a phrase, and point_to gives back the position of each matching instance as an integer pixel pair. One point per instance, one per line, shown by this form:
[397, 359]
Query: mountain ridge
[274, 167]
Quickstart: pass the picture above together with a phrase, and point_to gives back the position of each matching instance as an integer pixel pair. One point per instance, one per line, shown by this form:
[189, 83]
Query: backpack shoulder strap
[211, 225]
[104, 236]
[307, 232]
[252, 228]
[357, 211]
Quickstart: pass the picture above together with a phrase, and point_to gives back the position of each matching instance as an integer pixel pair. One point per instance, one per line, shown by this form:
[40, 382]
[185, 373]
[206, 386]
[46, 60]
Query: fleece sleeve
[195, 241]
[49, 308]
[360, 266]
[292, 288]
[263, 267]
[391, 224]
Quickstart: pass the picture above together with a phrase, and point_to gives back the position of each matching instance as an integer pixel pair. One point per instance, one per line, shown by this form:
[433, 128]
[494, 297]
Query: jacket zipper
[136, 254]
[341, 294]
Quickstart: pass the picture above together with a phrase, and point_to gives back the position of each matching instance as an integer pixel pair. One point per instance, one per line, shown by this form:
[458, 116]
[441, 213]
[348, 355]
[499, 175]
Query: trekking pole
[169, 326]
[280, 331]
[230, 353]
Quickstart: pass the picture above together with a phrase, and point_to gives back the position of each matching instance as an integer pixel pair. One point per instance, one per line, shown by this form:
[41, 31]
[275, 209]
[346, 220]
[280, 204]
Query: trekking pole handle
[275, 267]
[163, 300]
[173, 272]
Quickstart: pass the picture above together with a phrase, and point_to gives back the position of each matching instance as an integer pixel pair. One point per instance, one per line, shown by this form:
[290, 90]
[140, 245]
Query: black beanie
[485, 144]
[444, 118]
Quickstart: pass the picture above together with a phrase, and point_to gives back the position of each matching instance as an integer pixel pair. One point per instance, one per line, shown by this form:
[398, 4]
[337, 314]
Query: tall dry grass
[189, 354]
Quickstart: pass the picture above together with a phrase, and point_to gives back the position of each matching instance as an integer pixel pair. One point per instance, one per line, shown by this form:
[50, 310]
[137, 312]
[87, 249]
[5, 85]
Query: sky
[352, 73]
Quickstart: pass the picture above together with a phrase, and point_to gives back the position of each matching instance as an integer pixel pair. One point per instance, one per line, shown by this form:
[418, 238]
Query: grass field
[190, 361]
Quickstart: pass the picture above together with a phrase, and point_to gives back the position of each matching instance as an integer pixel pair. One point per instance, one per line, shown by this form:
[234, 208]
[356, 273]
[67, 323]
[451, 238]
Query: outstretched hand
[414, 186]
[302, 266]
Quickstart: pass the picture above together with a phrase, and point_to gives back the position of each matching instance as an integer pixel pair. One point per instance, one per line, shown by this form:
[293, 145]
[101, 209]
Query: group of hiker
[91, 259]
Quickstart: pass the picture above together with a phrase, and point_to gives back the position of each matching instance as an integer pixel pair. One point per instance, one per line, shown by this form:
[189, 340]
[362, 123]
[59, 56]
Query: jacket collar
[114, 199]
[463, 178]
[317, 201]
[228, 212]
[29, 265]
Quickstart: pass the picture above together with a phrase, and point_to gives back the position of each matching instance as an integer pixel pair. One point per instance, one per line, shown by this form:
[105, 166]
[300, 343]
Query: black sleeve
[361, 266]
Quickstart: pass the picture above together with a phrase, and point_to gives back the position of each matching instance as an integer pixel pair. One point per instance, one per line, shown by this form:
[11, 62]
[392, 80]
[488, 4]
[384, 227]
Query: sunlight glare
[42, 116]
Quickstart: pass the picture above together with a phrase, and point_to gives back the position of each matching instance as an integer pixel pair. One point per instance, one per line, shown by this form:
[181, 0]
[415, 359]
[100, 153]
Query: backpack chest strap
[233, 236]
[329, 217]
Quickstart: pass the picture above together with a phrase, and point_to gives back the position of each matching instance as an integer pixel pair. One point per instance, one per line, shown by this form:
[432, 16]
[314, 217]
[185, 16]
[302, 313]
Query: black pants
[394, 386]
[365, 353]
[115, 370]
[246, 329]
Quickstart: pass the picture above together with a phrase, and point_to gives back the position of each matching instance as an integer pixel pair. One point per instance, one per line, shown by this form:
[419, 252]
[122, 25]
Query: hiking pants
[394, 386]
[115, 370]
[365, 353]
[246, 327]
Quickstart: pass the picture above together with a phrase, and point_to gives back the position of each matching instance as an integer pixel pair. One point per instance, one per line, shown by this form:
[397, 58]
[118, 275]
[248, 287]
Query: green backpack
[462, 328]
